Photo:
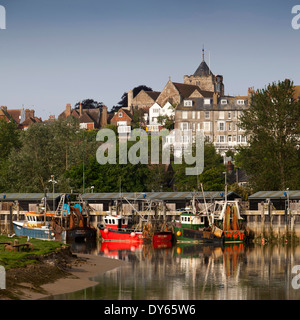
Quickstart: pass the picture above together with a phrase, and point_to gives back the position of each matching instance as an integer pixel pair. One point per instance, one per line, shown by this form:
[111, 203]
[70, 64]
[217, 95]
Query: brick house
[122, 118]
[93, 118]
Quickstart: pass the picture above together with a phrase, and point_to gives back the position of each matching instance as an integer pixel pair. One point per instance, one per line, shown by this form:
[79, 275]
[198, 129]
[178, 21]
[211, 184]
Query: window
[242, 139]
[221, 114]
[206, 126]
[194, 126]
[221, 126]
[184, 126]
[120, 114]
[229, 115]
[198, 114]
[188, 103]
[224, 101]
[198, 126]
[207, 115]
[184, 115]
[229, 126]
[229, 138]
[206, 101]
[241, 102]
[194, 114]
[221, 139]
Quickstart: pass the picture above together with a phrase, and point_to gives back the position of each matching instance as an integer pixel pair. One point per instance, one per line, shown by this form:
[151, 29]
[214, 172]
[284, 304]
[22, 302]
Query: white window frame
[188, 103]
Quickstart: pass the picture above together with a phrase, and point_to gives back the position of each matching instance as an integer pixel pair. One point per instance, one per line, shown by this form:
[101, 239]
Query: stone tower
[205, 79]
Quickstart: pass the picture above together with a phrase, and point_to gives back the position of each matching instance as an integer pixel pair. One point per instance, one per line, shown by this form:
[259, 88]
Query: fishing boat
[36, 225]
[219, 226]
[196, 227]
[228, 218]
[71, 221]
[140, 226]
[116, 228]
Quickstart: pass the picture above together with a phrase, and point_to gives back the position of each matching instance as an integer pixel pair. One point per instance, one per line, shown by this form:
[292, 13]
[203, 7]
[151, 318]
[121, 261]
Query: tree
[47, 150]
[167, 121]
[9, 141]
[272, 160]
[88, 104]
[212, 176]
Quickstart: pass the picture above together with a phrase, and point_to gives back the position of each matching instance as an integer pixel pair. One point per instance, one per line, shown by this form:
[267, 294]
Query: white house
[155, 111]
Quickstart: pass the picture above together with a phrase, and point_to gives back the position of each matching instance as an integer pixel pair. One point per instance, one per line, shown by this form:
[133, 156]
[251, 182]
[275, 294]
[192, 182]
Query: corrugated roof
[155, 195]
[27, 196]
[275, 194]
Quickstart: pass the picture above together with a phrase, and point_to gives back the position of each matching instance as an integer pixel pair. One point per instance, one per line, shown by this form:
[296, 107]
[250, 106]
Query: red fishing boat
[116, 229]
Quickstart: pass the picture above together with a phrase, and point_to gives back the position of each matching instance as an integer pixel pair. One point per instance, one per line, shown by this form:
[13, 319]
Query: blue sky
[58, 52]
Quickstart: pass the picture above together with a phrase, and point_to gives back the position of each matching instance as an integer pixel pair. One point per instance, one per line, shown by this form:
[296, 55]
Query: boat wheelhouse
[35, 225]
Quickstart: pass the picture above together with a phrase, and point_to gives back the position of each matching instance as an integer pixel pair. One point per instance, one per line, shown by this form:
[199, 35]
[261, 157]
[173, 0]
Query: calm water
[193, 272]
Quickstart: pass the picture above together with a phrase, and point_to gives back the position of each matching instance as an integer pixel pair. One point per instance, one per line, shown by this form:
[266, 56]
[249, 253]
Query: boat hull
[191, 235]
[37, 233]
[120, 235]
[234, 236]
[163, 237]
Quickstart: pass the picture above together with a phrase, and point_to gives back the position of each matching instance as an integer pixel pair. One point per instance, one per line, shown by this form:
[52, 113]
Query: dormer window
[206, 101]
[241, 102]
[224, 101]
[188, 103]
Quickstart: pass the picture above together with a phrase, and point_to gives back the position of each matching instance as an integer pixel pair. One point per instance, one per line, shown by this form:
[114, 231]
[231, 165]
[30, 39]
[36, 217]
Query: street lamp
[53, 184]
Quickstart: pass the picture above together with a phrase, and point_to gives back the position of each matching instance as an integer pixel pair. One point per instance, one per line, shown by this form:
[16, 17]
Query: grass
[22, 258]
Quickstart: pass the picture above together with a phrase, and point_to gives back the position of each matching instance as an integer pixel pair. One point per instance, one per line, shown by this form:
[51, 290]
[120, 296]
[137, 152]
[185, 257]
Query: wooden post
[10, 218]
[262, 222]
[18, 211]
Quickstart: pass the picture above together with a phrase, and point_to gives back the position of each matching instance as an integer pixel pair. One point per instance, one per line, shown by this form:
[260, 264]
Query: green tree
[272, 160]
[212, 176]
[48, 150]
[9, 141]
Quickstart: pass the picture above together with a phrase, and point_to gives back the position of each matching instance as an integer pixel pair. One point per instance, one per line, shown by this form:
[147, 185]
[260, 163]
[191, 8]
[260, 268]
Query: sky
[64, 51]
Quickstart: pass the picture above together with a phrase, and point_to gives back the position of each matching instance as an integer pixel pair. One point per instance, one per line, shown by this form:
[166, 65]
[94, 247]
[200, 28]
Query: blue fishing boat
[35, 225]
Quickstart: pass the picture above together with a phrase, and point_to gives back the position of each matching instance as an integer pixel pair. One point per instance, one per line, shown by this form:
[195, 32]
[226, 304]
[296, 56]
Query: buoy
[105, 230]
[178, 233]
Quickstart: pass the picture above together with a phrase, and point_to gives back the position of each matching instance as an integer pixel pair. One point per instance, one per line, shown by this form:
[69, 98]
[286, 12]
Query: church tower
[205, 79]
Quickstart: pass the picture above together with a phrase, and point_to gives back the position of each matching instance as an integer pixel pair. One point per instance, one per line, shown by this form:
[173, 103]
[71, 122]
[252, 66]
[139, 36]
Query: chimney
[130, 99]
[229, 167]
[215, 99]
[68, 110]
[80, 109]
[250, 92]
[103, 120]
[27, 114]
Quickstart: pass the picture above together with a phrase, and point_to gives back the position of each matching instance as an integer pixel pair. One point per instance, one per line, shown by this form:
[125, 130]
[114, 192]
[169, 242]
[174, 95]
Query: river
[194, 272]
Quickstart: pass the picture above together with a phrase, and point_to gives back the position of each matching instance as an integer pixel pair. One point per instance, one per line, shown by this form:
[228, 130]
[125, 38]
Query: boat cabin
[190, 220]
[37, 220]
[116, 222]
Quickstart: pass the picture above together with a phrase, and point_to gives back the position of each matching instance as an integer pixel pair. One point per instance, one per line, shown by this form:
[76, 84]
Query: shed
[278, 198]
[26, 199]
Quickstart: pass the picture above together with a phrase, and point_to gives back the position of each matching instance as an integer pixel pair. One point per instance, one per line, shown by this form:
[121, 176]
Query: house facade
[122, 119]
[217, 118]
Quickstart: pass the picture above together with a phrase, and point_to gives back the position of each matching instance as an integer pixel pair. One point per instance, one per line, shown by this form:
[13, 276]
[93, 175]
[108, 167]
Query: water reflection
[194, 272]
